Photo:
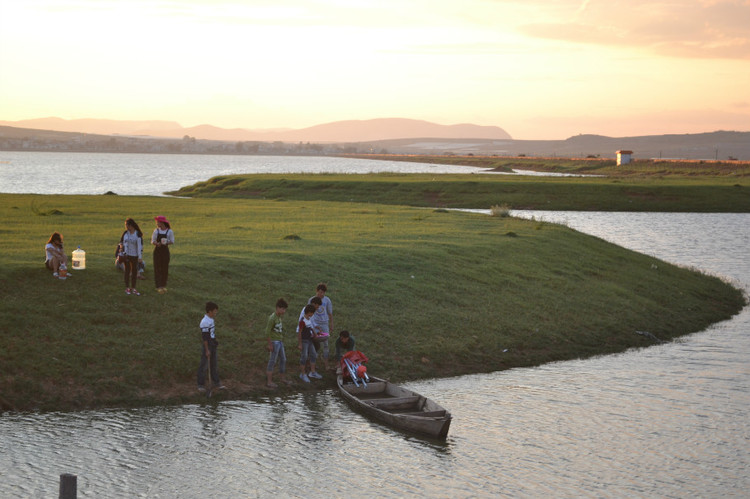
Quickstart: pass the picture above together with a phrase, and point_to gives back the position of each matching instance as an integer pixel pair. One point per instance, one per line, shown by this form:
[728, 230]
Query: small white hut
[624, 157]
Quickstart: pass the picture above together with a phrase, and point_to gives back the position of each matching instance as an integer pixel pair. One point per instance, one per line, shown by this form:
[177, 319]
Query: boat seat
[393, 402]
[425, 414]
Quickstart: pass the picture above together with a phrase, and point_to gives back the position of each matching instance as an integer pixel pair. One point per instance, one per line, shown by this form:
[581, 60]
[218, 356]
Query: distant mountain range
[721, 145]
[387, 135]
[336, 132]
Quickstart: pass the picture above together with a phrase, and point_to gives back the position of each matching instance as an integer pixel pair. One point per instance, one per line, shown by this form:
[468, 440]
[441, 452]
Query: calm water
[154, 174]
[667, 421]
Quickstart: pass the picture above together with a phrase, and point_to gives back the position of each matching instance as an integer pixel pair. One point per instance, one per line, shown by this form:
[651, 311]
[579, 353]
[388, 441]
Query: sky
[539, 69]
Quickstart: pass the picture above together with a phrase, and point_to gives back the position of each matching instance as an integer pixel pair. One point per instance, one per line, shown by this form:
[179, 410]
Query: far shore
[597, 186]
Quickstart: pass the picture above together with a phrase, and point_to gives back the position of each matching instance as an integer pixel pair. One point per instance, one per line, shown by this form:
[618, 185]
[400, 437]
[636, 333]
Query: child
[344, 343]
[162, 238]
[323, 321]
[316, 302]
[275, 335]
[208, 348]
[305, 335]
[56, 259]
[132, 247]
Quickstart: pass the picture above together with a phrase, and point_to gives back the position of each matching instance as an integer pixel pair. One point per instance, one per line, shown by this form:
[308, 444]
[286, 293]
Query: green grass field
[645, 168]
[688, 193]
[426, 292]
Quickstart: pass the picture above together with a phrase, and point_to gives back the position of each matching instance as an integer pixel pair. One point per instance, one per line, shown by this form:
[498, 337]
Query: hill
[393, 128]
[338, 131]
[95, 126]
[721, 145]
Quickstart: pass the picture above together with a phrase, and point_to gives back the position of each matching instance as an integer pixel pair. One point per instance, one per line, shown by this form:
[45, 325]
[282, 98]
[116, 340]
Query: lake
[154, 174]
[665, 421]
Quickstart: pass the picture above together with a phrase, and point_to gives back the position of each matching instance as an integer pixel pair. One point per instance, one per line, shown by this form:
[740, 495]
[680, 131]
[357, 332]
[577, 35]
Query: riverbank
[686, 192]
[656, 168]
[427, 293]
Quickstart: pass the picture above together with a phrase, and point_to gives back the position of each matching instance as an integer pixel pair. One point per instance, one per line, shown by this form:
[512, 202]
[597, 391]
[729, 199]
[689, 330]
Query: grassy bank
[655, 168]
[720, 194]
[427, 293]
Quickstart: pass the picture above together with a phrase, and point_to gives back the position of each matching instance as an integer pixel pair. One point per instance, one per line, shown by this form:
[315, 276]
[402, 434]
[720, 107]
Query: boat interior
[392, 399]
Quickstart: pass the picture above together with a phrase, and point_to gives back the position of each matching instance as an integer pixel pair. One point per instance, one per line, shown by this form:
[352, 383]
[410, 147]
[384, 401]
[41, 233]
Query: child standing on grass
[162, 238]
[316, 302]
[132, 247]
[305, 335]
[208, 349]
[323, 321]
[275, 334]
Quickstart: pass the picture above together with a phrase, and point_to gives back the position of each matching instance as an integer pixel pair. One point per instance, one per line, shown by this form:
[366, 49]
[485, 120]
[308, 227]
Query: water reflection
[712, 242]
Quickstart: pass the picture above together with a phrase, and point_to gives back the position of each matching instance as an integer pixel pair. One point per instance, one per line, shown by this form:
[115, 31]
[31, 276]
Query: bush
[502, 210]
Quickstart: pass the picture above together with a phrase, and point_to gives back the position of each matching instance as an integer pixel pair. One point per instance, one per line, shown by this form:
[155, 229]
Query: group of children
[313, 332]
[129, 254]
[314, 324]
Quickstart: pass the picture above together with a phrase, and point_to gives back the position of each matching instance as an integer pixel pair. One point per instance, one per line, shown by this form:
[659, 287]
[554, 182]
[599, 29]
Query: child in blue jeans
[305, 335]
[275, 334]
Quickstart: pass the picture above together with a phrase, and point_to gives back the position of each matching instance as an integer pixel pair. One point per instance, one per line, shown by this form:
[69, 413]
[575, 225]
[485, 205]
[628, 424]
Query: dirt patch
[432, 198]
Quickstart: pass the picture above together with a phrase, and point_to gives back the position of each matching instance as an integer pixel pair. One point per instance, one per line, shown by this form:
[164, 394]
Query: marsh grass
[694, 193]
[658, 168]
[427, 293]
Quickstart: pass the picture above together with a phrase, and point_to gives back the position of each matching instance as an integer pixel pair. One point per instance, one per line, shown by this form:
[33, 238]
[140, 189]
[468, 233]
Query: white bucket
[79, 259]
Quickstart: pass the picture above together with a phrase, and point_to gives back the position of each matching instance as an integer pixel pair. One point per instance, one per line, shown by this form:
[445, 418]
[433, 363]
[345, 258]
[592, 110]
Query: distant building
[624, 157]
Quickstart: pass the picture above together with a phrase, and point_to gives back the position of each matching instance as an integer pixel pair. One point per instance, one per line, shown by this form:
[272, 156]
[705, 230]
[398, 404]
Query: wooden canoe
[396, 406]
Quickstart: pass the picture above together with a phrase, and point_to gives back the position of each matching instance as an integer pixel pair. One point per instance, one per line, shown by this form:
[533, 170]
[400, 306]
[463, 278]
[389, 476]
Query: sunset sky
[539, 69]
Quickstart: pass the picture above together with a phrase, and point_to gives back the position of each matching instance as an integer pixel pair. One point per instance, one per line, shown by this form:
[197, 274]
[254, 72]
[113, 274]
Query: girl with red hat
[162, 238]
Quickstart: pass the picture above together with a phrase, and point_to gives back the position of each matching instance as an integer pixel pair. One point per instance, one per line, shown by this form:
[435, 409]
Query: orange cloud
[683, 28]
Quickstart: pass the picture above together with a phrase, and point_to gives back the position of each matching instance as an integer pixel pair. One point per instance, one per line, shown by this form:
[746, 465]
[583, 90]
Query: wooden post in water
[68, 486]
